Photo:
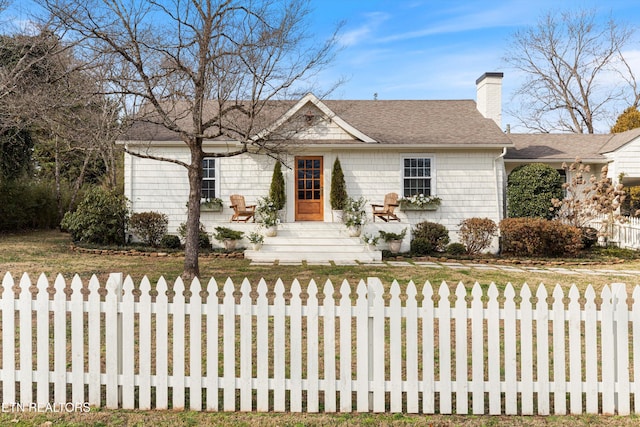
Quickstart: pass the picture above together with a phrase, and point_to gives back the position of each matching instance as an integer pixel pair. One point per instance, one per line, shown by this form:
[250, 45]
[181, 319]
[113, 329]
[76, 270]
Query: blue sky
[432, 49]
[425, 49]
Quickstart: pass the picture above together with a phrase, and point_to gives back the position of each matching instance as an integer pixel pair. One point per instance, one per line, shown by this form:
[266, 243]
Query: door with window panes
[309, 197]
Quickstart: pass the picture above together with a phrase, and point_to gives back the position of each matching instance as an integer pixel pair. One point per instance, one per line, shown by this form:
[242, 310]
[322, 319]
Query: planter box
[411, 207]
[210, 208]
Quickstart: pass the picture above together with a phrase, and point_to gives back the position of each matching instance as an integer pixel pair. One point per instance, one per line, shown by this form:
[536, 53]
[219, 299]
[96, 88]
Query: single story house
[455, 149]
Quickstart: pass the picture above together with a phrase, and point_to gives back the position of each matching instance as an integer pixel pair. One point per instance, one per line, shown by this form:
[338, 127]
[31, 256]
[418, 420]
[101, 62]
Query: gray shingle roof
[567, 146]
[556, 147]
[619, 139]
[388, 122]
[420, 122]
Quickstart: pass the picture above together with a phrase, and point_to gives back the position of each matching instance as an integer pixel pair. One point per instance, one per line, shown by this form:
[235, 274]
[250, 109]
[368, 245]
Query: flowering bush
[421, 200]
[268, 212]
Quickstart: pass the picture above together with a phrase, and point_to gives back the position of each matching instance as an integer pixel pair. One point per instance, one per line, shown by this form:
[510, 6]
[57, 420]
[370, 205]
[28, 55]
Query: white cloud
[373, 21]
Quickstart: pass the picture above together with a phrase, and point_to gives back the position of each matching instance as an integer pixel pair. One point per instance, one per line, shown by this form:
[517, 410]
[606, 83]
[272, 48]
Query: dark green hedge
[27, 205]
[530, 189]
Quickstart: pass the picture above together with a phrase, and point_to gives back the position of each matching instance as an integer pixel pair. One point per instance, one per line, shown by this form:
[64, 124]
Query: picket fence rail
[258, 349]
[624, 234]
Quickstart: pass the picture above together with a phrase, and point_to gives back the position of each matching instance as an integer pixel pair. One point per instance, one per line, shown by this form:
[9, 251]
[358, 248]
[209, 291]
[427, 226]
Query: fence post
[374, 286]
[113, 343]
[376, 337]
[620, 342]
[370, 296]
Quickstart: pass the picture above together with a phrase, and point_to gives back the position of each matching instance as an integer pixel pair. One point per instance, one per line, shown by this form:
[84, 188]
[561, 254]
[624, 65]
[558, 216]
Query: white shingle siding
[625, 160]
[164, 187]
[466, 182]
[323, 131]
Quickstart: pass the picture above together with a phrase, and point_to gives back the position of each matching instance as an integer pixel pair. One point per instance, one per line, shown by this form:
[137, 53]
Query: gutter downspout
[500, 189]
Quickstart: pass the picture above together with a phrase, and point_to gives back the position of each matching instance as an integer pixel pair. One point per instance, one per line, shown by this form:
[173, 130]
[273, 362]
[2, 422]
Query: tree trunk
[191, 247]
[56, 156]
[80, 179]
[110, 163]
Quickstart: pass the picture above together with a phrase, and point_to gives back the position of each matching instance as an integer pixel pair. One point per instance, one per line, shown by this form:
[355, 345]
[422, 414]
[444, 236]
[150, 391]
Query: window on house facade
[417, 174]
[563, 179]
[208, 178]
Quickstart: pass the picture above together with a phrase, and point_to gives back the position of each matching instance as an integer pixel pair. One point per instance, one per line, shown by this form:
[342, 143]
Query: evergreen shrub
[101, 218]
[276, 190]
[531, 189]
[429, 237]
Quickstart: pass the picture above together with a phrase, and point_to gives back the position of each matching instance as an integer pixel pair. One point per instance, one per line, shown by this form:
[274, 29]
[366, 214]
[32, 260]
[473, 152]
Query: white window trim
[430, 156]
[217, 174]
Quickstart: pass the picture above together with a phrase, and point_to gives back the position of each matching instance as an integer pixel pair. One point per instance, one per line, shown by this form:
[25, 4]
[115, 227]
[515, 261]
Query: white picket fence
[264, 350]
[624, 234]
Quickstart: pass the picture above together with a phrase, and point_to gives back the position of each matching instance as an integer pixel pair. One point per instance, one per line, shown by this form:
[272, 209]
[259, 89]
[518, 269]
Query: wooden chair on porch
[241, 211]
[386, 211]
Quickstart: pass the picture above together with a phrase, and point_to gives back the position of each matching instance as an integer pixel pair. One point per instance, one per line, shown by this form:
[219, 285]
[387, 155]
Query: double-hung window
[208, 178]
[417, 176]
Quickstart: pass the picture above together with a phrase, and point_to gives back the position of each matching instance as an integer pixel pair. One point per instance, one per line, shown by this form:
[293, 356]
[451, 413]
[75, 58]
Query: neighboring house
[621, 152]
[452, 149]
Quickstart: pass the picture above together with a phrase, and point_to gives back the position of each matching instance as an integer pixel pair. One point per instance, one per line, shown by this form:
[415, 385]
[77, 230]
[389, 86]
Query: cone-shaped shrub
[276, 191]
[338, 194]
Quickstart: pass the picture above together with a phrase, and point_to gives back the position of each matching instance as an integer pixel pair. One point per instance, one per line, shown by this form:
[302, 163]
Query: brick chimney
[489, 96]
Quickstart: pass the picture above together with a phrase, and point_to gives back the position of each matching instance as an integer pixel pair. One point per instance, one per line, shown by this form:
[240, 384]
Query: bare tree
[202, 69]
[80, 122]
[27, 65]
[47, 92]
[588, 199]
[575, 72]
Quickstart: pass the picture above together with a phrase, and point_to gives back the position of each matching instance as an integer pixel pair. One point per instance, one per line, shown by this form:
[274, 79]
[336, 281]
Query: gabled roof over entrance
[328, 115]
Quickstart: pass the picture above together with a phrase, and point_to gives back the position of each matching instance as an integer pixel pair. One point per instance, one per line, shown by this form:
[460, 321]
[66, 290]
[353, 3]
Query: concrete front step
[313, 242]
[262, 256]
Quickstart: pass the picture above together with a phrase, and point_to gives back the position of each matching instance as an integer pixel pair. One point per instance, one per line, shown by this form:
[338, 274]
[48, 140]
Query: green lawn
[50, 252]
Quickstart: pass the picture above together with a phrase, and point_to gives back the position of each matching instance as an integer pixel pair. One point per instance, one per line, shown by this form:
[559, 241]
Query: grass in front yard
[188, 418]
[50, 252]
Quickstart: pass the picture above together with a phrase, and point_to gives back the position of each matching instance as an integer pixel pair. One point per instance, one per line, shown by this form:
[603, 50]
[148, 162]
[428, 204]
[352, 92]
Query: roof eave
[557, 160]
[357, 144]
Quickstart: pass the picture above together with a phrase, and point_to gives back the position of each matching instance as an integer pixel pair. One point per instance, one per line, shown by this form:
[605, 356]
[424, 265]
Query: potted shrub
[277, 190]
[228, 237]
[393, 239]
[268, 214]
[371, 241]
[256, 240]
[355, 215]
[338, 192]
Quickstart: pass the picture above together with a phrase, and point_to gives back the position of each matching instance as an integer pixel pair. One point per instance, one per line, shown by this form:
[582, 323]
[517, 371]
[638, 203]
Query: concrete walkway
[577, 270]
